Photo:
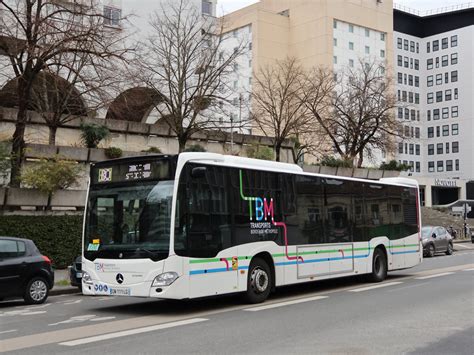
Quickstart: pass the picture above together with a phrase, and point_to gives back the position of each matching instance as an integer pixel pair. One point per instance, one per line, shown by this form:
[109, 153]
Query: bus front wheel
[379, 266]
[259, 281]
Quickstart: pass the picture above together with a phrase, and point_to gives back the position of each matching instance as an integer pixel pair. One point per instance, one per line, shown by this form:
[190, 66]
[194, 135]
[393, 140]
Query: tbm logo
[263, 208]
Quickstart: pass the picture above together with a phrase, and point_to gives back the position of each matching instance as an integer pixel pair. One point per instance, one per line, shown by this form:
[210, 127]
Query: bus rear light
[165, 279]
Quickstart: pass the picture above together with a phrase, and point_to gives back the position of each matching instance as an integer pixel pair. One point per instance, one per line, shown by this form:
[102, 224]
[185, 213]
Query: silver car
[436, 239]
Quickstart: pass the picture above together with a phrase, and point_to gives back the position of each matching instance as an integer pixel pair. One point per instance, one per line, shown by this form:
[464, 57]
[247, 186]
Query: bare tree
[278, 110]
[187, 60]
[359, 115]
[35, 33]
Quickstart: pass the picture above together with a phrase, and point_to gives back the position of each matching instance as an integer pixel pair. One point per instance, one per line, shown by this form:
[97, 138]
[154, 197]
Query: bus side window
[338, 207]
[310, 201]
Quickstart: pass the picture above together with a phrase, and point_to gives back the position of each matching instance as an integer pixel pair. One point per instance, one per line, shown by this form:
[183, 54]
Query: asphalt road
[424, 310]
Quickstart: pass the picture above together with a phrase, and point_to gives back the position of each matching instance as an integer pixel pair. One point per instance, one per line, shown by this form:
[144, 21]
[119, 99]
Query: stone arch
[50, 93]
[134, 104]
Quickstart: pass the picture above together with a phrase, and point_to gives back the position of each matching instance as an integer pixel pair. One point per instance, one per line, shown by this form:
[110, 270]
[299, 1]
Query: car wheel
[259, 281]
[379, 266]
[36, 291]
[449, 251]
[431, 250]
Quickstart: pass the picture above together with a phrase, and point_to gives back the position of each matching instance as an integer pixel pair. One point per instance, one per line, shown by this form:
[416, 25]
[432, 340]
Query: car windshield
[427, 232]
[129, 221]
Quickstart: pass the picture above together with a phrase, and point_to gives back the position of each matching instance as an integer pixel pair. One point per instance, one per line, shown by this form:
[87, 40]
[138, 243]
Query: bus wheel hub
[259, 280]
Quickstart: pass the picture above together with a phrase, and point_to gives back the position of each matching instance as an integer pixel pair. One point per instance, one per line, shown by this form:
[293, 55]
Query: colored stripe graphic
[278, 224]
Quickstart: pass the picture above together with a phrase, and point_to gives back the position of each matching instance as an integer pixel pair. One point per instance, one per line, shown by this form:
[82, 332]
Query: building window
[351, 63]
[400, 78]
[417, 149]
[454, 111]
[429, 81]
[447, 148]
[405, 44]
[454, 76]
[367, 32]
[410, 97]
[428, 47]
[351, 46]
[410, 80]
[448, 95]
[413, 115]
[430, 97]
[439, 166]
[445, 130]
[206, 7]
[435, 45]
[335, 60]
[399, 60]
[399, 43]
[444, 61]
[334, 23]
[449, 165]
[404, 96]
[351, 28]
[417, 132]
[430, 132]
[439, 148]
[417, 166]
[431, 166]
[412, 46]
[428, 115]
[455, 129]
[454, 58]
[436, 114]
[437, 62]
[439, 79]
[444, 43]
[417, 81]
[454, 41]
[400, 112]
[457, 164]
[335, 42]
[382, 36]
[250, 46]
[456, 94]
[367, 50]
[412, 148]
[400, 148]
[417, 64]
[455, 147]
[429, 64]
[382, 53]
[417, 98]
[405, 62]
[446, 78]
[112, 16]
[445, 112]
[439, 96]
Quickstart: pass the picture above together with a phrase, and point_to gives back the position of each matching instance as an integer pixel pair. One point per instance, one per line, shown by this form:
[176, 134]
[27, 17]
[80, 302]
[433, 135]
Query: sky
[226, 6]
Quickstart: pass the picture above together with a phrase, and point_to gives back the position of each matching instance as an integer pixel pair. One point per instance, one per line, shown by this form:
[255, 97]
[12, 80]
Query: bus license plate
[119, 291]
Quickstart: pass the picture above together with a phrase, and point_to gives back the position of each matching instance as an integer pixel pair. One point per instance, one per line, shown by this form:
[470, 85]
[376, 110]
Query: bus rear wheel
[259, 281]
[379, 266]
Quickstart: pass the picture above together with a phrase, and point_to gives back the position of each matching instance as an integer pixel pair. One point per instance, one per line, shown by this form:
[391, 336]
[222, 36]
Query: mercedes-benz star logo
[119, 278]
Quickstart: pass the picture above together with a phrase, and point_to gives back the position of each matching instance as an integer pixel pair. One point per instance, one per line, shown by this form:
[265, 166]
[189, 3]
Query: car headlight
[165, 279]
[86, 278]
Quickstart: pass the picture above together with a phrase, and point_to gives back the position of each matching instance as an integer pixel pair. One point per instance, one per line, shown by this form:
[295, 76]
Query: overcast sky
[225, 6]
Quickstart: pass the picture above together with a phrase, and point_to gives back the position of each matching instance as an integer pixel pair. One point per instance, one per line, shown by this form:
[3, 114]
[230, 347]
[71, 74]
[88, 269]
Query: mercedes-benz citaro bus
[201, 224]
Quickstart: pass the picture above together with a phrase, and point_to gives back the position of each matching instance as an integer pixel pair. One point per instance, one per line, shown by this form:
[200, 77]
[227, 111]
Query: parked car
[24, 271]
[436, 239]
[75, 273]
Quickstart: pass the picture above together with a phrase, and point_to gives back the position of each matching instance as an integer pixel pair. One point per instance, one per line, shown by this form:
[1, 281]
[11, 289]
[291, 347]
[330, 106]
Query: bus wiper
[152, 253]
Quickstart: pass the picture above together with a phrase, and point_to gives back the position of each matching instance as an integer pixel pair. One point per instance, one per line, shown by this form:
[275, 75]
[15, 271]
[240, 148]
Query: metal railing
[439, 10]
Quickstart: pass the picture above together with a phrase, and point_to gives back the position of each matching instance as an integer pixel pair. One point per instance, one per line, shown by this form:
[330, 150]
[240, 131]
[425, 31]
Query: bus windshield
[129, 221]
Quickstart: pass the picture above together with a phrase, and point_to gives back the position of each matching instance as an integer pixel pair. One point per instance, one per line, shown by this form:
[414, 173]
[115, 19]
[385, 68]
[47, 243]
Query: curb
[55, 291]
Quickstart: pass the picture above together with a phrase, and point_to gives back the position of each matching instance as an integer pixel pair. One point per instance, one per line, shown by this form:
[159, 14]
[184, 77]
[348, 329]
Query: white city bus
[201, 224]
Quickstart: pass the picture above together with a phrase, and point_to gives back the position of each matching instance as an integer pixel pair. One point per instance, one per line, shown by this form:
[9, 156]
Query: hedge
[58, 237]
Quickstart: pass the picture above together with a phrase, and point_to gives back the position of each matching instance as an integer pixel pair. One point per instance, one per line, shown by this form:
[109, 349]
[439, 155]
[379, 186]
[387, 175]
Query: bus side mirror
[198, 172]
[434, 235]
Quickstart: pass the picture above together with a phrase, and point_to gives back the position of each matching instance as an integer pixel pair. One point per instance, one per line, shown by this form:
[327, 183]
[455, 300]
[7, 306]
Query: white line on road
[9, 331]
[72, 302]
[471, 269]
[101, 319]
[409, 286]
[32, 313]
[435, 275]
[281, 304]
[132, 332]
[385, 284]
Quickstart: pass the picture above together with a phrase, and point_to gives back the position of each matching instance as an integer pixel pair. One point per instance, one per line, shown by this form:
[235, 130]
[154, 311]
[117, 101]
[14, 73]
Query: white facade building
[434, 70]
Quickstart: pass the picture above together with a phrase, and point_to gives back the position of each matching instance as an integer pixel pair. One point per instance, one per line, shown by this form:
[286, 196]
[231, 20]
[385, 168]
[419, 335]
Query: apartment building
[434, 67]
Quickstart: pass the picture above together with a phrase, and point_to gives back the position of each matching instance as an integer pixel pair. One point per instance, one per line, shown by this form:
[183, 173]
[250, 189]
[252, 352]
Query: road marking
[132, 332]
[32, 313]
[76, 319]
[9, 331]
[409, 286]
[471, 269]
[435, 275]
[72, 302]
[287, 303]
[385, 284]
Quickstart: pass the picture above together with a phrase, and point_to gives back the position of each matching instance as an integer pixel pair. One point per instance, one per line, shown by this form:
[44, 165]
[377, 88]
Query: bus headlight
[165, 279]
[86, 278]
